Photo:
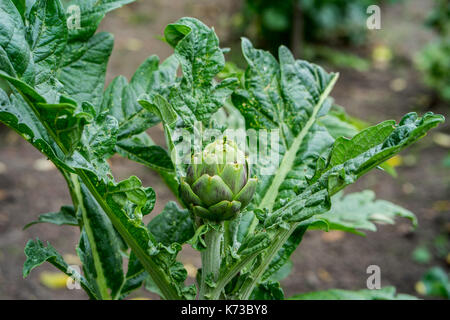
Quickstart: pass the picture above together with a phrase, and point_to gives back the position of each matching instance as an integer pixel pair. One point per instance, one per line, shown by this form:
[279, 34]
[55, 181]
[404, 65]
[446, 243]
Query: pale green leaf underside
[360, 211]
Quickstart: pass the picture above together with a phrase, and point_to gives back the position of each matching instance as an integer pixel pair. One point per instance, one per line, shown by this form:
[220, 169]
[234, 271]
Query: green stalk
[100, 280]
[211, 258]
[247, 288]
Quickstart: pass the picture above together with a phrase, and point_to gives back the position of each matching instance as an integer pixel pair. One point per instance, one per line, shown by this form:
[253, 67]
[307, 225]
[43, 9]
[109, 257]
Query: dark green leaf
[47, 37]
[135, 277]
[16, 59]
[172, 225]
[197, 49]
[65, 216]
[91, 13]
[99, 243]
[15, 113]
[283, 272]
[337, 127]
[282, 256]
[288, 97]
[435, 282]
[83, 68]
[142, 149]
[269, 290]
[350, 159]
[37, 254]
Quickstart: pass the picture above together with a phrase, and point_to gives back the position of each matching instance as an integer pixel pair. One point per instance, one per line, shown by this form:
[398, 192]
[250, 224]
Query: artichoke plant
[217, 184]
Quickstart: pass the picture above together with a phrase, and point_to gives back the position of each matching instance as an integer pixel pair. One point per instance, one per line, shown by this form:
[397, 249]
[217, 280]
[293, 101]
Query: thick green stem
[211, 258]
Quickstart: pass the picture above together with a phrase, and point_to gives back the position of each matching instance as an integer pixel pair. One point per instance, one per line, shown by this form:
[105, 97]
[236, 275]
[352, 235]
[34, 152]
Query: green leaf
[21, 6]
[159, 106]
[238, 229]
[37, 254]
[337, 127]
[78, 138]
[142, 149]
[91, 13]
[54, 63]
[65, 216]
[96, 144]
[422, 255]
[47, 37]
[126, 202]
[16, 59]
[172, 225]
[281, 259]
[283, 272]
[197, 96]
[350, 159]
[269, 290]
[360, 210]
[83, 68]
[435, 283]
[253, 244]
[120, 98]
[136, 275]
[288, 97]
[386, 293]
[346, 161]
[17, 114]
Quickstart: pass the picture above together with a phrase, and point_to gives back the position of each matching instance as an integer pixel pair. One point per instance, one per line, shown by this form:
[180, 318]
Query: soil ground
[29, 186]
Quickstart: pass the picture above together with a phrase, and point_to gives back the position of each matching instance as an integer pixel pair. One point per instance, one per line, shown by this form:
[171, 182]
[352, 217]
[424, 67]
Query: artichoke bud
[217, 184]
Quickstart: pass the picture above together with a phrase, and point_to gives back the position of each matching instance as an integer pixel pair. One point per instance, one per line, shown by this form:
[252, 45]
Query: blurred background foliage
[433, 60]
[301, 23]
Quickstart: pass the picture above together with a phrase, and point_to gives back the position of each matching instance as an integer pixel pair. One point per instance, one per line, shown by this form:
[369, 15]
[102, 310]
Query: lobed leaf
[92, 12]
[65, 216]
[172, 225]
[99, 248]
[37, 254]
[286, 97]
[197, 95]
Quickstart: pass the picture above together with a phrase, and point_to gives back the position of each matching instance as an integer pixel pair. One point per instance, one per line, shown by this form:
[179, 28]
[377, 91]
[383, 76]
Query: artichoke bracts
[217, 184]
